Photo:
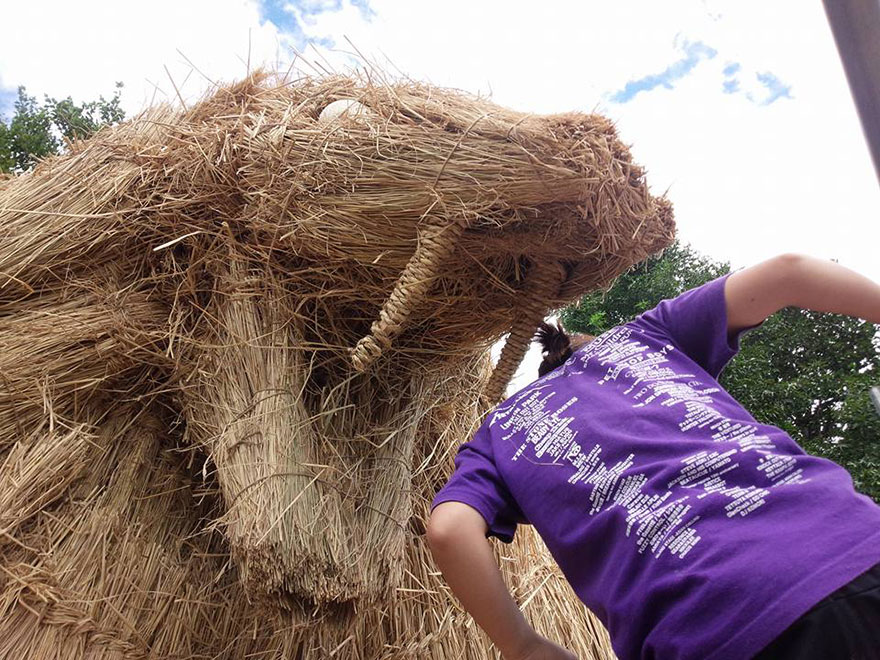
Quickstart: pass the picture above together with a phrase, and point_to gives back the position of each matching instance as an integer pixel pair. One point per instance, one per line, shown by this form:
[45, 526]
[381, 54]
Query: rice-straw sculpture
[241, 345]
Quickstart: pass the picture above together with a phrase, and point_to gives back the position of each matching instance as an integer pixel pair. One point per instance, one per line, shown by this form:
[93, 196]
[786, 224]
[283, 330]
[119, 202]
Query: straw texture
[241, 347]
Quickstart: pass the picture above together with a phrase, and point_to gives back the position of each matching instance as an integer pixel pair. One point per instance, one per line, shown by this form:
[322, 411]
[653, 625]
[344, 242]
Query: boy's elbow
[436, 536]
[448, 521]
[440, 530]
[785, 277]
[788, 261]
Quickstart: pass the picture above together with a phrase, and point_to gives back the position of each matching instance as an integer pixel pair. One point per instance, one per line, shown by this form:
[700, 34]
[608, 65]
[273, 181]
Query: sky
[738, 109]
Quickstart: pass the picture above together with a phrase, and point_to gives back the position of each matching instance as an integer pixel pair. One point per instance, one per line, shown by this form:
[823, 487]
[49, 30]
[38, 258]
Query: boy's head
[557, 346]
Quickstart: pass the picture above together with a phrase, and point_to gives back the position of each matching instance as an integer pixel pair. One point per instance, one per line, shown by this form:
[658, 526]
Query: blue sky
[291, 17]
[693, 53]
[775, 87]
[731, 68]
[298, 23]
[295, 21]
[8, 95]
[731, 83]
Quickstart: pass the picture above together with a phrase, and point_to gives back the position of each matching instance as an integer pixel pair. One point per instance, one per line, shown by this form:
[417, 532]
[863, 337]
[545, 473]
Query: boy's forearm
[825, 286]
[472, 573]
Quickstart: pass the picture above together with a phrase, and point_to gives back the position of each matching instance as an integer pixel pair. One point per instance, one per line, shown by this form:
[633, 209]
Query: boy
[690, 529]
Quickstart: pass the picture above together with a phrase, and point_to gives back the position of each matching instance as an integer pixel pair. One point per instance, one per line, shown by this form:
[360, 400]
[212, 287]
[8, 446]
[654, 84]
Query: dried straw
[241, 347]
[123, 566]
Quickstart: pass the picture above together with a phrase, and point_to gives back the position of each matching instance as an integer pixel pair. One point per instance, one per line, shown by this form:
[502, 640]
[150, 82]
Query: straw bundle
[297, 473]
[59, 349]
[240, 319]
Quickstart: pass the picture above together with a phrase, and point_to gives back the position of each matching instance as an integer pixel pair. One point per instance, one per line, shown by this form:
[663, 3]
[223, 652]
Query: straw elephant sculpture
[240, 345]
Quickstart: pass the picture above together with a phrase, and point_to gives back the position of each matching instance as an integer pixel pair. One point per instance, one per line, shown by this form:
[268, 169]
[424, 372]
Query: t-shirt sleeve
[477, 483]
[696, 324]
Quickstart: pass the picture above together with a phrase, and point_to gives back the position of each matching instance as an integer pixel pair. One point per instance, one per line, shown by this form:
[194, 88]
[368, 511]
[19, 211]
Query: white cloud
[83, 48]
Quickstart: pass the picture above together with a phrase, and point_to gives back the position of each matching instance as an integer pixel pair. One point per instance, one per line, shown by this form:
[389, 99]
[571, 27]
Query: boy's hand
[540, 648]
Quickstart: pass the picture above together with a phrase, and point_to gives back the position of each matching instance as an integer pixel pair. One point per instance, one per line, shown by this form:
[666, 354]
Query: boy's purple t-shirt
[690, 529]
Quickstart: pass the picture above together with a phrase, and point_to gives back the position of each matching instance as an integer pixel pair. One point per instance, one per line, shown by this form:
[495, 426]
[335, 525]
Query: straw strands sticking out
[243, 318]
[58, 350]
[124, 567]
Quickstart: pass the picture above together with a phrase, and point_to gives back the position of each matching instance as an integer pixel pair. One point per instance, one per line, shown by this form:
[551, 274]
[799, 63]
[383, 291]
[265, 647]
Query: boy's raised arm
[754, 293]
[457, 537]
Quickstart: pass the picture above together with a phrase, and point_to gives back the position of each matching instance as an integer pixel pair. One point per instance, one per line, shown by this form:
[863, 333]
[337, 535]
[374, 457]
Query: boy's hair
[555, 345]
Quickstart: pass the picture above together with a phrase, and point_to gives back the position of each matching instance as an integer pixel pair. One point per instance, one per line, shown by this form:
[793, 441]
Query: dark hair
[555, 345]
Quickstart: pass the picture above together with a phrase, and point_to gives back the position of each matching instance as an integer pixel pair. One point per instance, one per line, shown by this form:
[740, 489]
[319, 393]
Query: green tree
[39, 130]
[805, 372]
[676, 270]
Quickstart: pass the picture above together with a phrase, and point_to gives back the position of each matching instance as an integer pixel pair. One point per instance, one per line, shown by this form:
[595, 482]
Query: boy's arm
[456, 534]
[754, 293]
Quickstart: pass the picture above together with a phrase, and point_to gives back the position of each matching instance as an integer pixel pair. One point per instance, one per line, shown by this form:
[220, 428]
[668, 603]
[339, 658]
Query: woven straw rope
[542, 284]
[436, 242]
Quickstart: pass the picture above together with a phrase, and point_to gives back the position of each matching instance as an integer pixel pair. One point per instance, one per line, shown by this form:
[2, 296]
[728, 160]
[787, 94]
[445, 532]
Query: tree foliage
[639, 289]
[807, 373]
[37, 130]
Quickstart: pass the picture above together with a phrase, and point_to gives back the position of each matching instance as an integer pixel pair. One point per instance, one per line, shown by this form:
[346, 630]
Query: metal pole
[856, 28]
[875, 397]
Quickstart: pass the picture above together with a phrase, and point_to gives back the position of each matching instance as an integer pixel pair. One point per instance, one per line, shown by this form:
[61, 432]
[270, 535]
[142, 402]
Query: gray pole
[856, 28]
[875, 397]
